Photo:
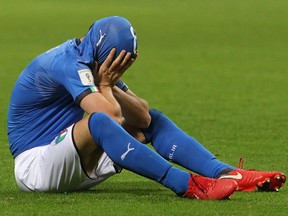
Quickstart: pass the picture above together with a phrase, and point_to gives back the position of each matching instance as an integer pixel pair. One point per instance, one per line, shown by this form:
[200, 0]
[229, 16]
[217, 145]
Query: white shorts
[57, 167]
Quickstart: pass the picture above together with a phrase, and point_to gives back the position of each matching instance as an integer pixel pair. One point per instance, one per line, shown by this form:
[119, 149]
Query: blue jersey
[46, 95]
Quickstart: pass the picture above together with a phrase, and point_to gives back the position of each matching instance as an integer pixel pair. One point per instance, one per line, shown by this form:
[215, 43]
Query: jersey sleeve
[78, 81]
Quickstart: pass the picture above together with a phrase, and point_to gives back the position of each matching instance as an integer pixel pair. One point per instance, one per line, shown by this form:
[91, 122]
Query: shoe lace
[241, 164]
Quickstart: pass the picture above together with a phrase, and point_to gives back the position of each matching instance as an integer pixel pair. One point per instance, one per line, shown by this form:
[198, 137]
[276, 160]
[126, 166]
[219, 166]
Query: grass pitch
[217, 68]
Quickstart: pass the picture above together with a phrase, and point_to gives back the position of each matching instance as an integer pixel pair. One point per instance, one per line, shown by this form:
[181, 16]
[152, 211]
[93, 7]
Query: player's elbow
[116, 114]
[145, 120]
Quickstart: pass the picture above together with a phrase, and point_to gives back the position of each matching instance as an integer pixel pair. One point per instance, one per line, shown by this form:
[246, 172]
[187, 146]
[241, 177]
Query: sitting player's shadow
[136, 191]
[135, 188]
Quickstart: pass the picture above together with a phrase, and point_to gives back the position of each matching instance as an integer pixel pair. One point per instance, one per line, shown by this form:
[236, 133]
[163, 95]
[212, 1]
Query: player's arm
[102, 102]
[134, 109]
[106, 77]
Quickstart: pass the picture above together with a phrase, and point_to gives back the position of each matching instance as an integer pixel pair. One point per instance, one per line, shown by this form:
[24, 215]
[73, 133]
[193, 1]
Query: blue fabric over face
[105, 34]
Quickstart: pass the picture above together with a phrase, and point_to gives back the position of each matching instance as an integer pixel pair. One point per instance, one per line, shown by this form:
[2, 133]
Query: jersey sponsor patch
[86, 77]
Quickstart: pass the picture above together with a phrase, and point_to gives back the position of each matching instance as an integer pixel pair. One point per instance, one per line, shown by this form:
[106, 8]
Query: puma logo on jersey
[100, 39]
[123, 156]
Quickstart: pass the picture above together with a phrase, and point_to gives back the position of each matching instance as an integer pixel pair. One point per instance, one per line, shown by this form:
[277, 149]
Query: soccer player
[57, 148]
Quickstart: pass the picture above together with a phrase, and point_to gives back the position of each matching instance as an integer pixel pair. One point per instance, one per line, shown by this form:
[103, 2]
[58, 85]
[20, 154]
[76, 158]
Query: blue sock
[132, 155]
[175, 145]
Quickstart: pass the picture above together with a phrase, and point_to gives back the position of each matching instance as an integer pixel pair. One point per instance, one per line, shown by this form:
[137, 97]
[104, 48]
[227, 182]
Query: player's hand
[111, 70]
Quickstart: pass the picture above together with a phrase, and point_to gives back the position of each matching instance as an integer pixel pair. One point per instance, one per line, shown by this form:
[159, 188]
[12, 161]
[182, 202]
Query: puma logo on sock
[123, 156]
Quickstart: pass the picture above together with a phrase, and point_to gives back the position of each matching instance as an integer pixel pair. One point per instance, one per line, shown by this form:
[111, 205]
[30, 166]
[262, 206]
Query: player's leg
[98, 130]
[124, 150]
[175, 145]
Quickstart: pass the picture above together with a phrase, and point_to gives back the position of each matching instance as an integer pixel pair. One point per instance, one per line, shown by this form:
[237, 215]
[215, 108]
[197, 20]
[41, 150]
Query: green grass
[217, 68]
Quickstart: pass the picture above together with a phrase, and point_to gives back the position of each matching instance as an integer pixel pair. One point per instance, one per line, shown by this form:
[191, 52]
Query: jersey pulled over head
[105, 34]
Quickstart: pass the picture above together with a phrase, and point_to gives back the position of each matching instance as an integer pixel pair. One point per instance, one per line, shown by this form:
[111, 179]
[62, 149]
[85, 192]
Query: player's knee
[155, 114]
[100, 121]
[100, 118]
[156, 118]
[100, 125]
